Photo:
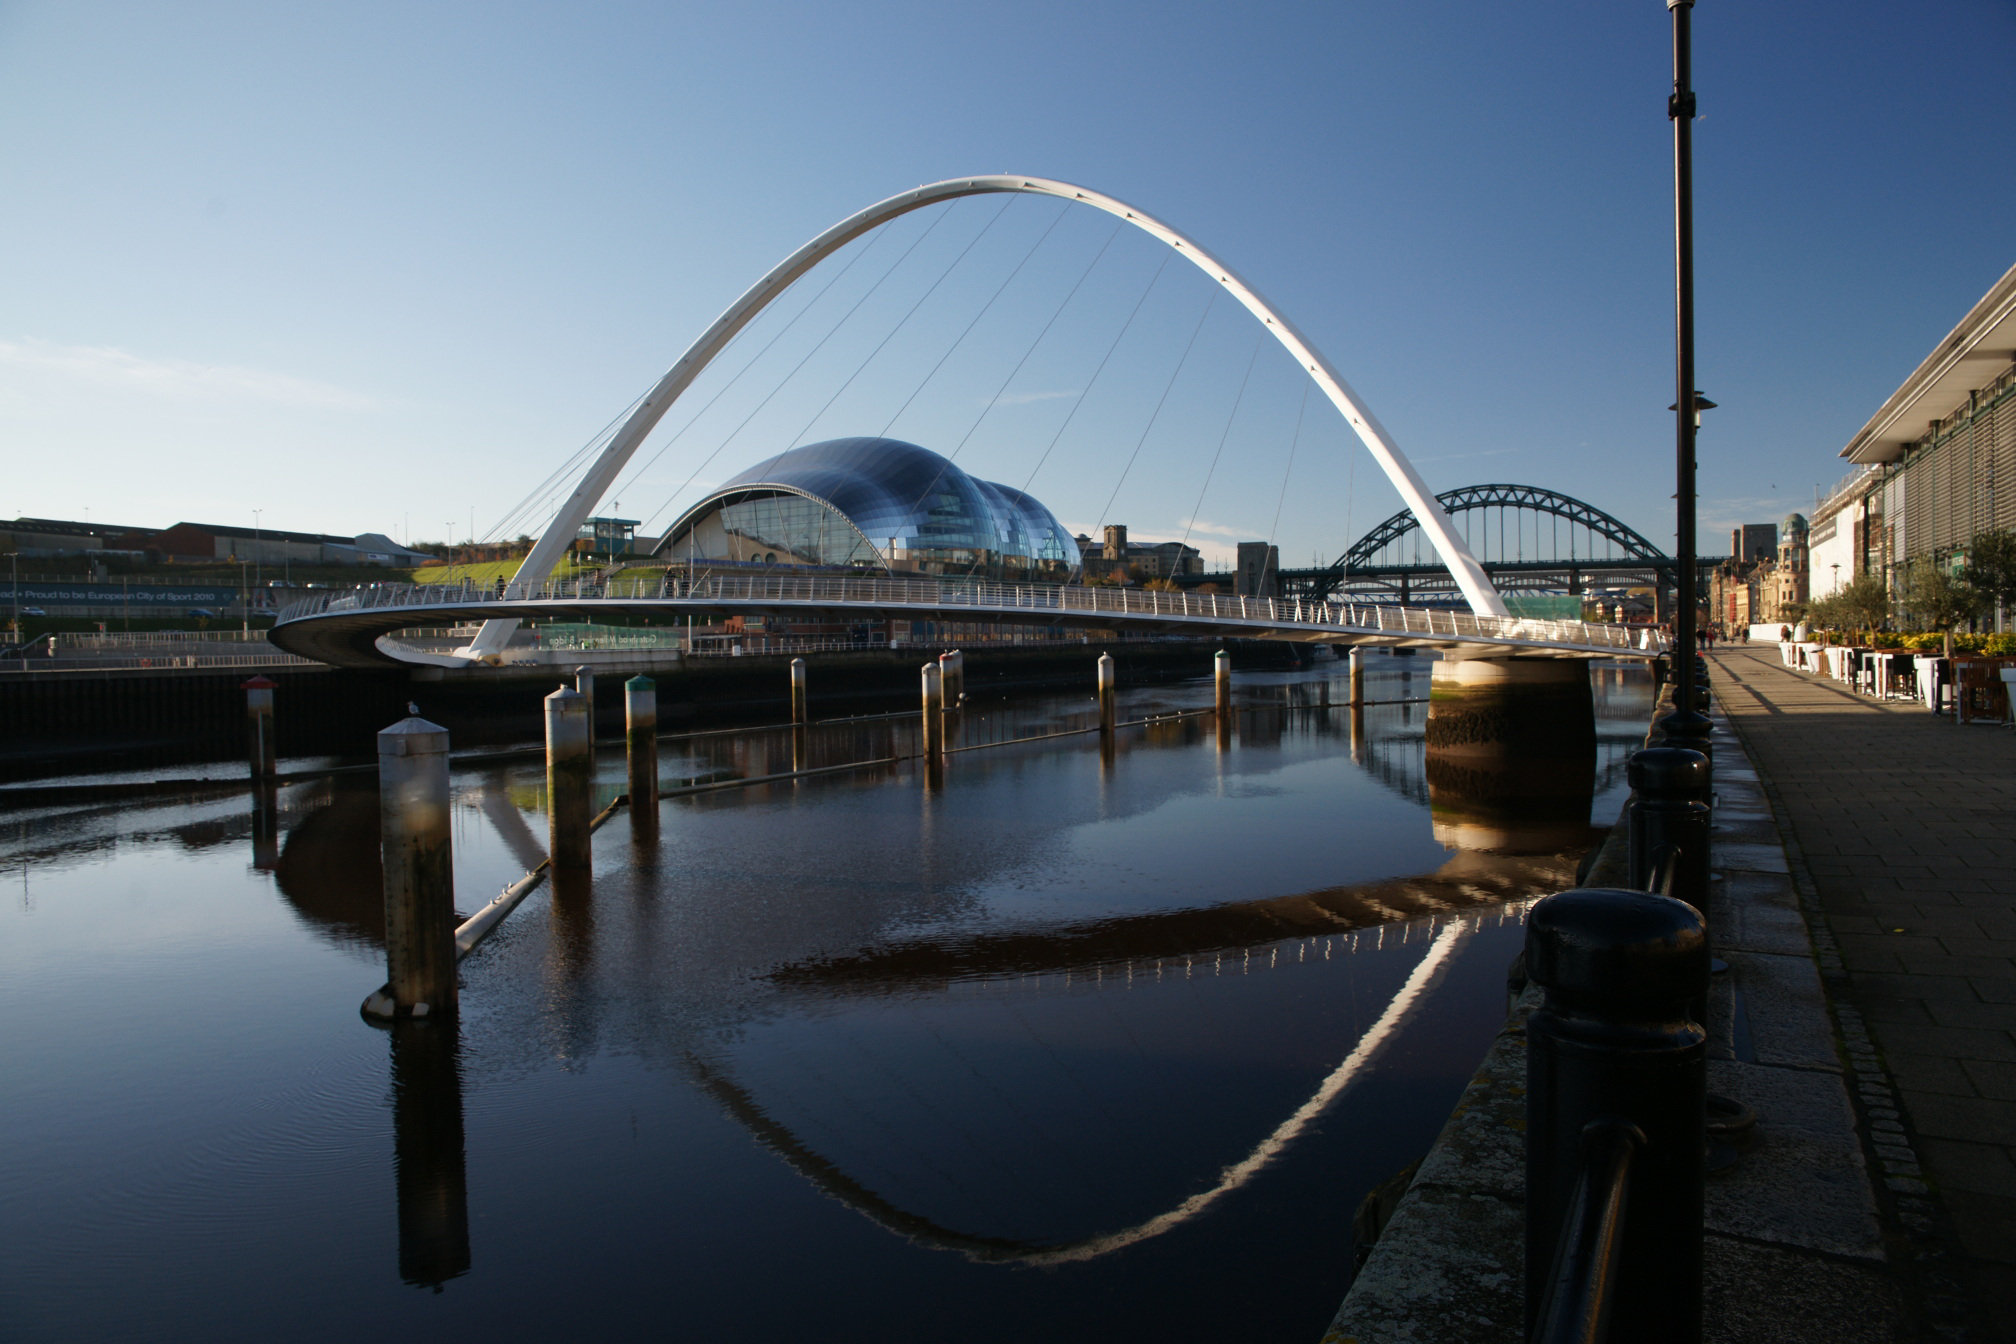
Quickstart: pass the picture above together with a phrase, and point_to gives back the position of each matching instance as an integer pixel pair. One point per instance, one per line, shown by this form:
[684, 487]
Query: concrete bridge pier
[1511, 753]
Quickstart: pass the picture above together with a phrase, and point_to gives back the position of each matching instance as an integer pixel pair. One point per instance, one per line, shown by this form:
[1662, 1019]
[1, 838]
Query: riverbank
[95, 719]
[1799, 1245]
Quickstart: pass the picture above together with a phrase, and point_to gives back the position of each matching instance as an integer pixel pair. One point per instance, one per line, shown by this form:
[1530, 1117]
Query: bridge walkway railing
[994, 601]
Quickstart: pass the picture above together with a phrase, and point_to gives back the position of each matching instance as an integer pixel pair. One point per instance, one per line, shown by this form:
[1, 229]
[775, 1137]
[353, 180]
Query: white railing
[991, 601]
[130, 662]
[120, 641]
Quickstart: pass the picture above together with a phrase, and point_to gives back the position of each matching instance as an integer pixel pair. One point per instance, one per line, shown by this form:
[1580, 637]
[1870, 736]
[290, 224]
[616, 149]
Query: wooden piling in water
[260, 747]
[419, 868]
[640, 735]
[934, 712]
[570, 767]
[584, 684]
[1108, 715]
[801, 700]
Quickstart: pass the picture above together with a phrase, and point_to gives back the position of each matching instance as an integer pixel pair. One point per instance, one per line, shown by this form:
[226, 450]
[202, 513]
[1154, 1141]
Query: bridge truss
[1528, 539]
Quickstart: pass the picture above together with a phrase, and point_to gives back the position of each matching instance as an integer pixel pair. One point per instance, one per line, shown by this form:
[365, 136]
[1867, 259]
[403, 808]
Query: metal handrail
[1576, 1309]
[987, 598]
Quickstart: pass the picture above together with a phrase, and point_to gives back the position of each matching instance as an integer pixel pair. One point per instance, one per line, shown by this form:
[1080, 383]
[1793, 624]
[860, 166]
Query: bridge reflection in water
[1154, 1021]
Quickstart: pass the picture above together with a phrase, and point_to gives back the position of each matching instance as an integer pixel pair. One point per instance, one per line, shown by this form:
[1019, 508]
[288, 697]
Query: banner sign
[152, 596]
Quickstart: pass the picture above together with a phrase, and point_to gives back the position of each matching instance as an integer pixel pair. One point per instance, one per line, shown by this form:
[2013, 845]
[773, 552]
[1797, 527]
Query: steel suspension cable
[1223, 435]
[951, 349]
[933, 289]
[1104, 359]
[771, 394]
[1160, 402]
[753, 361]
[994, 400]
[1294, 443]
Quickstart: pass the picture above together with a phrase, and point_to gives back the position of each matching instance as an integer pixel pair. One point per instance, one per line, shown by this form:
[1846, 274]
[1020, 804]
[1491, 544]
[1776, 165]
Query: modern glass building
[876, 506]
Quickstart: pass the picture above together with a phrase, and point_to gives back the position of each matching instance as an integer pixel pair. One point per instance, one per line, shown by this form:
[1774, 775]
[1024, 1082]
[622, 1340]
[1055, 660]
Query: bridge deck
[345, 629]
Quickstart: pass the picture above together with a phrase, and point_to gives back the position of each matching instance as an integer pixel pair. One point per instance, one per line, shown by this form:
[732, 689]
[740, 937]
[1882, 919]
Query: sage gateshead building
[875, 506]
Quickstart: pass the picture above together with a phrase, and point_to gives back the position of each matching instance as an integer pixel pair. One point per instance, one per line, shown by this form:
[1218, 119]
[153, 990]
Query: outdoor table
[1932, 679]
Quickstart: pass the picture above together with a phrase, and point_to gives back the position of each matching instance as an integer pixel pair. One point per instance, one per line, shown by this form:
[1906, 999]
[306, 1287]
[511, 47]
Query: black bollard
[1614, 1061]
[1669, 810]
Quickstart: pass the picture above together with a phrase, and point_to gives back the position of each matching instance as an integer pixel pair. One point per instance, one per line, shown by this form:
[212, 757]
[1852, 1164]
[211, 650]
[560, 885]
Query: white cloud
[176, 379]
[1197, 526]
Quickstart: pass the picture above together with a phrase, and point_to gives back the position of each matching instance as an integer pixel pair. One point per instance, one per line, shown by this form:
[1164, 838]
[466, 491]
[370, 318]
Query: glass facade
[873, 504]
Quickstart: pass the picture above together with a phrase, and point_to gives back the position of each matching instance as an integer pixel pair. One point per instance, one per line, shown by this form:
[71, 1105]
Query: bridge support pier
[1511, 753]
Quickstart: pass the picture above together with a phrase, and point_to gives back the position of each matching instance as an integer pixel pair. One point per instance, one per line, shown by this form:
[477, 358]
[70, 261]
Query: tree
[1991, 567]
[1939, 599]
[1863, 603]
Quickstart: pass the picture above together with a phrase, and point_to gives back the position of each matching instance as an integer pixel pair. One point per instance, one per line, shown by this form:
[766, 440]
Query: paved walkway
[1906, 826]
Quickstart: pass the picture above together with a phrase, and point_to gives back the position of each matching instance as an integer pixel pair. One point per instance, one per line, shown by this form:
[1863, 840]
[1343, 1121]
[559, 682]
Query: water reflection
[1188, 999]
[834, 1179]
[429, 1171]
[328, 868]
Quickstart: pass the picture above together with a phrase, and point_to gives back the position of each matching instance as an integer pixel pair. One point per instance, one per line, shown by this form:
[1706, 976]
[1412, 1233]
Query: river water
[1053, 1047]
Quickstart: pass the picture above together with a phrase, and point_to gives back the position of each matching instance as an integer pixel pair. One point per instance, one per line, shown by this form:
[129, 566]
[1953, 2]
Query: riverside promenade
[1904, 824]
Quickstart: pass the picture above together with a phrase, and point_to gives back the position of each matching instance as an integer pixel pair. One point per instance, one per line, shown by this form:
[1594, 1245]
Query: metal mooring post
[1357, 676]
[640, 736]
[934, 712]
[419, 867]
[1669, 811]
[1221, 673]
[570, 768]
[1107, 717]
[259, 743]
[1611, 1051]
[800, 697]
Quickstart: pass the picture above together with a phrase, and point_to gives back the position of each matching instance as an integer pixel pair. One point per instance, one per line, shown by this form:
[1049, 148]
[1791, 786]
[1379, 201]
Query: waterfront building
[1258, 569]
[1121, 560]
[1753, 542]
[876, 506]
[61, 536]
[1935, 466]
[1791, 577]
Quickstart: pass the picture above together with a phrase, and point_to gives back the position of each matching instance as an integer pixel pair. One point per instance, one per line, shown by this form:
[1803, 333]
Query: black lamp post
[1686, 726]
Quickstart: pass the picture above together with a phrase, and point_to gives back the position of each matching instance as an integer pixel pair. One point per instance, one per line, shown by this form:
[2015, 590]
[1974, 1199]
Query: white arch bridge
[357, 629]
[349, 629]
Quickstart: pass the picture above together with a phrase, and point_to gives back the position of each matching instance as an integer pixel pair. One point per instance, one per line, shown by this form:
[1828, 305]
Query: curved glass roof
[905, 498]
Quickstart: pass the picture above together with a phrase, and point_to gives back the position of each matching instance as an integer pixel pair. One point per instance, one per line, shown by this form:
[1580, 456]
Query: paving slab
[1904, 825]
[1802, 1182]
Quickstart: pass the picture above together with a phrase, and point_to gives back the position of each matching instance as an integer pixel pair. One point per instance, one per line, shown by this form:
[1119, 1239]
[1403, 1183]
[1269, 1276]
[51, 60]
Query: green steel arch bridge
[1527, 538]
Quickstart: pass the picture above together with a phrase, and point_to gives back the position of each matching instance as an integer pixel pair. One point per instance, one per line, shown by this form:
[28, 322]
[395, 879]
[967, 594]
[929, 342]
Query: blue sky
[385, 266]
